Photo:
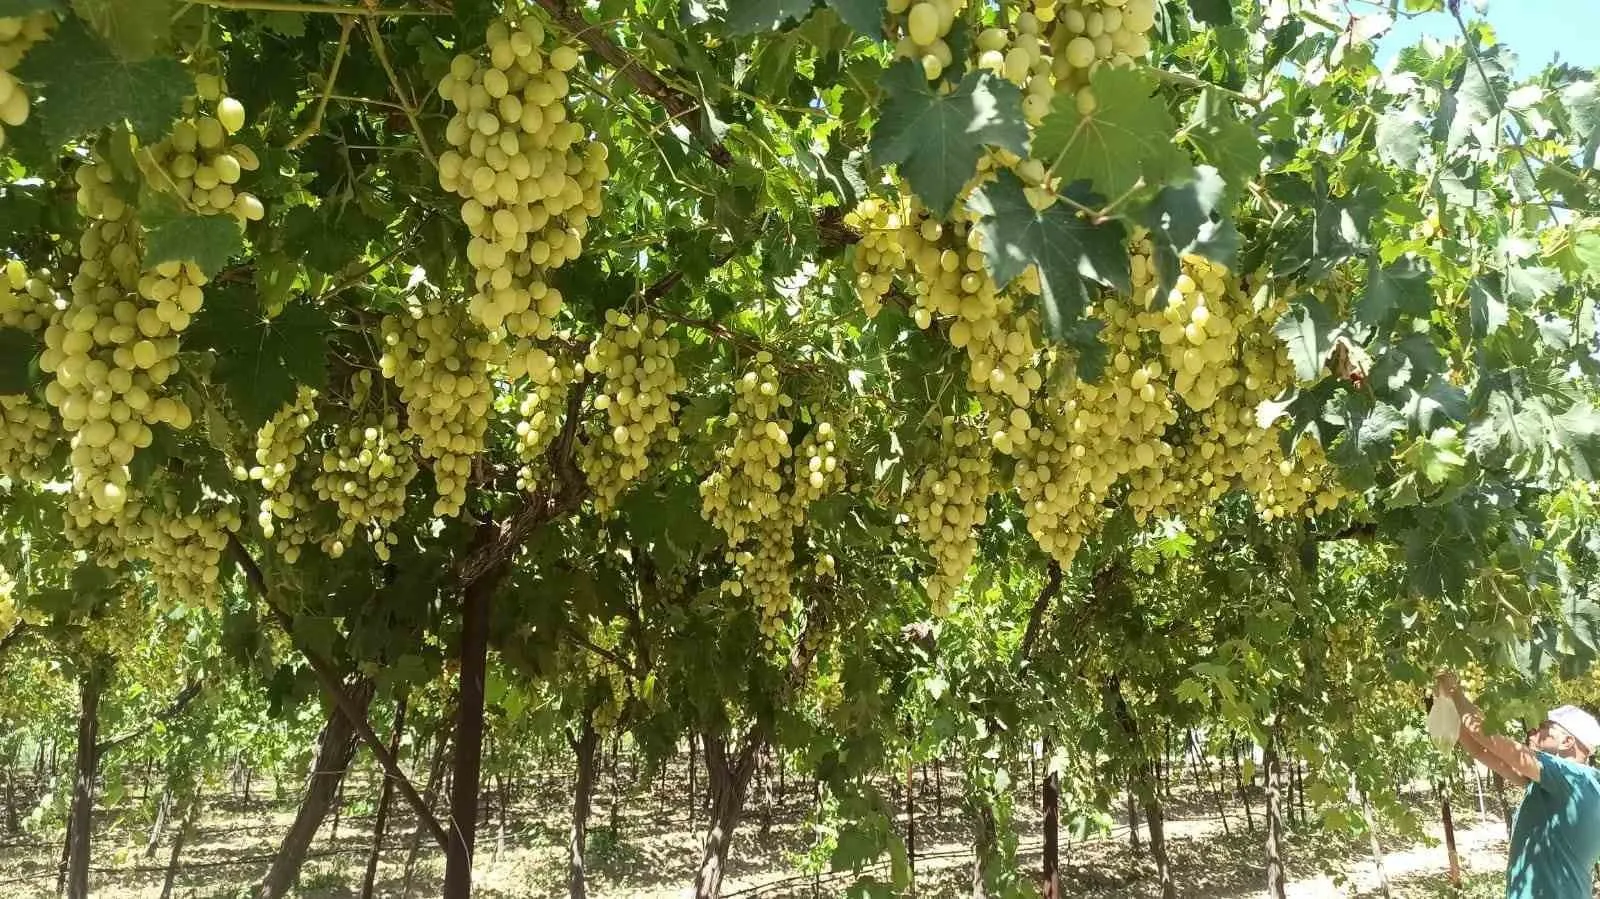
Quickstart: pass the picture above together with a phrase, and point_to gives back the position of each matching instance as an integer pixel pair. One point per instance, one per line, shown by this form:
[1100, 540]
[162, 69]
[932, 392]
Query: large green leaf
[865, 16]
[1212, 12]
[935, 138]
[1128, 135]
[1068, 249]
[1401, 287]
[260, 361]
[752, 16]
[1307, 331]
[82, 87]
[1190, 218]
[1228, 144]
[1487, 305]
[17, 349]
[1370, 429]
[208, 241]
[1438, 552]
[135, 29]
[1400, 136]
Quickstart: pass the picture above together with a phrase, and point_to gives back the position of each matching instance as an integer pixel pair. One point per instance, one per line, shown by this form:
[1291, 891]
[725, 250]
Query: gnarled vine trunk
[80, 822]
[1276, 879]
[1051, 808]
[582, 798]
[728, 782]
[469, 738]
[335, 747]
[983, 849]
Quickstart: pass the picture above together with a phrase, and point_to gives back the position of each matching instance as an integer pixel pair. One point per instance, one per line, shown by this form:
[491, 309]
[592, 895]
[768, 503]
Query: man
[1555, 841]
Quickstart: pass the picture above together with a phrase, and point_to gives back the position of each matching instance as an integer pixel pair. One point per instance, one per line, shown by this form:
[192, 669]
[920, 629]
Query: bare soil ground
[641, 845]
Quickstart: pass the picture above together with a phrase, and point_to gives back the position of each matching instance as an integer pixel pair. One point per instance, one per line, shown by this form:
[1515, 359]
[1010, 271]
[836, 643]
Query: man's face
[1552, 738]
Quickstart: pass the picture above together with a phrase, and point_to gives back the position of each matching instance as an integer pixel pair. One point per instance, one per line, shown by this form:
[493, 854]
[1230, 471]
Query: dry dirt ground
[652, 851]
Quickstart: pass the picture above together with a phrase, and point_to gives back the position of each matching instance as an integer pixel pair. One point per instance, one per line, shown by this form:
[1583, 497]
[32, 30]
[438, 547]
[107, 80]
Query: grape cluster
[1089, 33]
[441, 363]
[817, 472]
[111, 347]
[944, 262]
[364, 474]
[286, 507]
[8, 603]
[538, 408]
[950, 499]
[927, 24]
[184, 546]
[744, 497]
[1018, 56]
[27, 430]
[633, 358]
[527, 193]
[196, 161]
[17, 35]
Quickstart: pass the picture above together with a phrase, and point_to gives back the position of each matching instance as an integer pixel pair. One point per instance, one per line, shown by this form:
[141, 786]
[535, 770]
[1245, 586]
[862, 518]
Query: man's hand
[1445, 683]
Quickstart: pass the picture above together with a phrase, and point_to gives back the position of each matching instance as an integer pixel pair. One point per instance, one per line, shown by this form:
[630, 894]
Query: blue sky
[1536, 29]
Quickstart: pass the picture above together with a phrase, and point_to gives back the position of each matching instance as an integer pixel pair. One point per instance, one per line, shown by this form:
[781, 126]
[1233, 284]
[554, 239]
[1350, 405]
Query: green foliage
[1123, 142]
[84, 87]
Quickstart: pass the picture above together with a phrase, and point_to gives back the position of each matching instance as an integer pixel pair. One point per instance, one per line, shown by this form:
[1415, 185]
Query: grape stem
[290, 6]
[406, 103]
[1191, 81]
[315, 125]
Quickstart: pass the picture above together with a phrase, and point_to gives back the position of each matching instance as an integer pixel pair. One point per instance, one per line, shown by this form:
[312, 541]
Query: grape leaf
[1582, 102]
[17, 349]
[1400, 135]
[1476, 106]
[1068, 249]
[1212, 12]
[1577, 432]
[752, 16]
[1368, 438]
[135, 29]
[1531, 283]
[1126, 137]
[83, 87]
[208, 241]
[1230, 145]
[16, 9]
[1190, 218]
[1488, 307]
[1438, 404]
[865, 16]
[937, 139]
[260, 361]
[1401, 287]
[1438, 552]
[1307, 331]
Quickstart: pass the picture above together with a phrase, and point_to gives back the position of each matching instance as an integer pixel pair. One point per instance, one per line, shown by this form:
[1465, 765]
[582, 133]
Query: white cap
[1579, 723]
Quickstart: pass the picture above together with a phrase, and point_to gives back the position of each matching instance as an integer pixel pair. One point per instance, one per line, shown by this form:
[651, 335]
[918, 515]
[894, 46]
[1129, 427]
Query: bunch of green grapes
[8, 602]
[1087, 34]
[633, 358]
[528, 192]
[744, 496]
[184, 546]
[817, 469]
[441, 364]
[927, 23]
[1018, 55]
[951, 498]
[17, 35]
[538, 409]
[110, 350]
[197, 162]
[944, 263]
[286, 513]
[365, 473]
[1199, 337]
[27, 430]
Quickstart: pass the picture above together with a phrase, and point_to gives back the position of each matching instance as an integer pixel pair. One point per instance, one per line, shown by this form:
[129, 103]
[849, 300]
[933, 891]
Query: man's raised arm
[1502, 755]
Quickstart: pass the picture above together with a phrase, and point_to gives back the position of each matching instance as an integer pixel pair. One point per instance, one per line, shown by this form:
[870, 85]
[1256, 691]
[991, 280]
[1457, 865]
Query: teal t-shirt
[1556, 838]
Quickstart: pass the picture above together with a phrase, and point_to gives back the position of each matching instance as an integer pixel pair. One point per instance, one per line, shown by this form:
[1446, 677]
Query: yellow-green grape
[926, 25]
[110, 350]
[879, 258]
[279, 446]
[365, 474]
[1086, 34]
[744, 496]
[538, 410]
[184, 547]
[945, 265]
[17, 34]
[1018, 55]
[633, 358]
[8, 603]
[818, 470]
[441, 362]
[199, 162]
[950, 499]
[529, 177]
[27, 430]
